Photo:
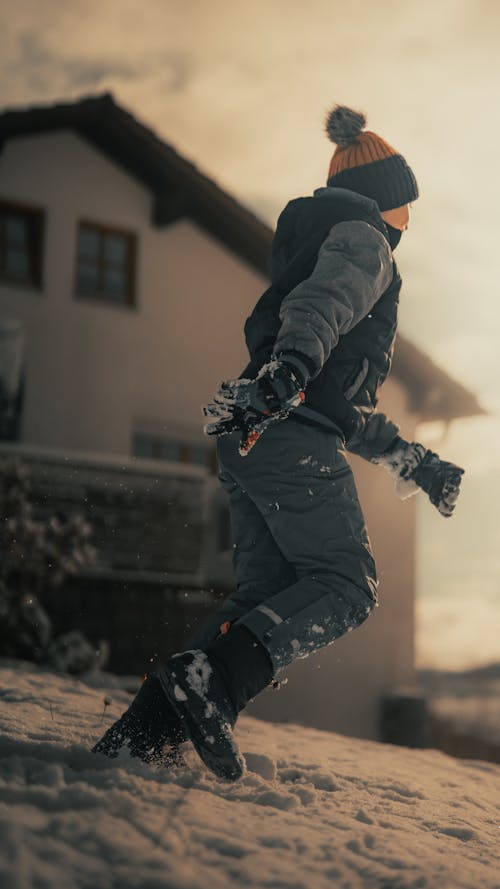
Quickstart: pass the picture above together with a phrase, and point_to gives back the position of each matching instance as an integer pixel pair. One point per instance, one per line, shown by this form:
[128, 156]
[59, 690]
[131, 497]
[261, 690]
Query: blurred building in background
[126, 276]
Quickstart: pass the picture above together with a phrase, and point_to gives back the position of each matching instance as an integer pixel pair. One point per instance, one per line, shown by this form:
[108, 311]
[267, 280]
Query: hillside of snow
[314, 811]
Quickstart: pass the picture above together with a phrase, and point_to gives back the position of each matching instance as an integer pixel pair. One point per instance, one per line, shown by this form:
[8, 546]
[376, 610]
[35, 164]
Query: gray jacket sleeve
[373, 437]
[353, 268]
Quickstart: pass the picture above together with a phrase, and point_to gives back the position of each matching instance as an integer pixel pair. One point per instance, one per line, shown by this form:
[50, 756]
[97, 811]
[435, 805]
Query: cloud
[38, 64]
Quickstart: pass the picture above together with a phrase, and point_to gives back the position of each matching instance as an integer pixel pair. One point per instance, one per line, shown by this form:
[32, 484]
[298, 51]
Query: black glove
[414, 466]
[251, 405]
[439, 480]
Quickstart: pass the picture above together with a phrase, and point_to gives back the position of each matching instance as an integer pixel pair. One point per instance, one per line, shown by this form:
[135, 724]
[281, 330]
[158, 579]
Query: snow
[198, 674]
[316, 629]
[314, 809]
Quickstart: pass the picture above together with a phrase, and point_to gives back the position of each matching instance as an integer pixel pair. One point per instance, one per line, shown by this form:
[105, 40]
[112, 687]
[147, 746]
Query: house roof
[179, 189]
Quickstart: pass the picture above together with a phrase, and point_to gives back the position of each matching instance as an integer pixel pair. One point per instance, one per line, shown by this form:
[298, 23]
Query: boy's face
[398, 218]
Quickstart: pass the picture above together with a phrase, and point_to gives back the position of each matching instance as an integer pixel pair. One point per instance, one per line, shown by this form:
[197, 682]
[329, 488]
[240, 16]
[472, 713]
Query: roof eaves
[139, 150]
[432, 393]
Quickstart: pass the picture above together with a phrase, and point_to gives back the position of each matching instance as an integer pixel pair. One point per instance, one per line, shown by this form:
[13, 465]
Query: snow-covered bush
[36, 554]
[72, 653]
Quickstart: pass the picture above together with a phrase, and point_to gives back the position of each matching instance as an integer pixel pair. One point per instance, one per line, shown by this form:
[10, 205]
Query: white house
[130, 275]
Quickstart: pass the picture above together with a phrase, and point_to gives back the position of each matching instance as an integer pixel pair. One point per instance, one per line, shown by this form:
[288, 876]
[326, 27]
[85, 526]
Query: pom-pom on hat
[366, 163]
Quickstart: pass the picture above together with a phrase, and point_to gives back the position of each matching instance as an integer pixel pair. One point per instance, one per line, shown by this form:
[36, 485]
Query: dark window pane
[114, 283]
[88, 243]
[156, 449]
[171, 450]
[88, 278]
[142, 446]
[200, 454]
[16, 231]
[17, 263]
[109, 253]
[115, 249]
[21, 231]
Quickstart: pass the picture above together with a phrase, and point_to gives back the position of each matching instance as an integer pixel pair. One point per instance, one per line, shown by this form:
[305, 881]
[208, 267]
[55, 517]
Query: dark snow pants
[303, 565]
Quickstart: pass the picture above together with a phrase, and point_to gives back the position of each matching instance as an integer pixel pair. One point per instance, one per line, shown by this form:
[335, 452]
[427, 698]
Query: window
[21, 234]
[157, 447]
[105, 267]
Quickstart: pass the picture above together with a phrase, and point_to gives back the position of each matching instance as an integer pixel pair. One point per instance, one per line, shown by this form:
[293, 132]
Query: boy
[321, 340]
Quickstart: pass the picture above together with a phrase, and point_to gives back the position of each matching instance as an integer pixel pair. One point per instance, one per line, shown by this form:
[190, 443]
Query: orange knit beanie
[366, 163]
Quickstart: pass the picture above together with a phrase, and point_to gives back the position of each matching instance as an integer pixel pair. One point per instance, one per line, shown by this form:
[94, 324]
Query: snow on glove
[223, 420]
[251, 405]
[414, 467]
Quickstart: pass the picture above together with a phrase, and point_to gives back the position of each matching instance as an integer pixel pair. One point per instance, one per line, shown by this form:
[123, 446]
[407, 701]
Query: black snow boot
[150, 729]
[208, 689]
[197, 694]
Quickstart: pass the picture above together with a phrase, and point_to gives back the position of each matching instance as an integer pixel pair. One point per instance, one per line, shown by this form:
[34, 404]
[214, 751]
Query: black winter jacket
[333, 298]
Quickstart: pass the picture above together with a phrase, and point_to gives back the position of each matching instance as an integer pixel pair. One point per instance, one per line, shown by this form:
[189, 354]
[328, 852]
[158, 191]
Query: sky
[242, 90]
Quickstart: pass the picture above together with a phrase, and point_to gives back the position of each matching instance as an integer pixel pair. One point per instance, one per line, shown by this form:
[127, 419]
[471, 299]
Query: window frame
[36, 244]
[130, 300]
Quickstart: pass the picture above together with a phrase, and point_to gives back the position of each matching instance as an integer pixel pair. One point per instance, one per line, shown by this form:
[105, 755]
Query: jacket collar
[346, 194]
[354, 199]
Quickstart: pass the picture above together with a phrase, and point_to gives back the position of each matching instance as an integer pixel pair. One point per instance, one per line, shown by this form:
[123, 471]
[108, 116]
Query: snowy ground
[315, 810]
